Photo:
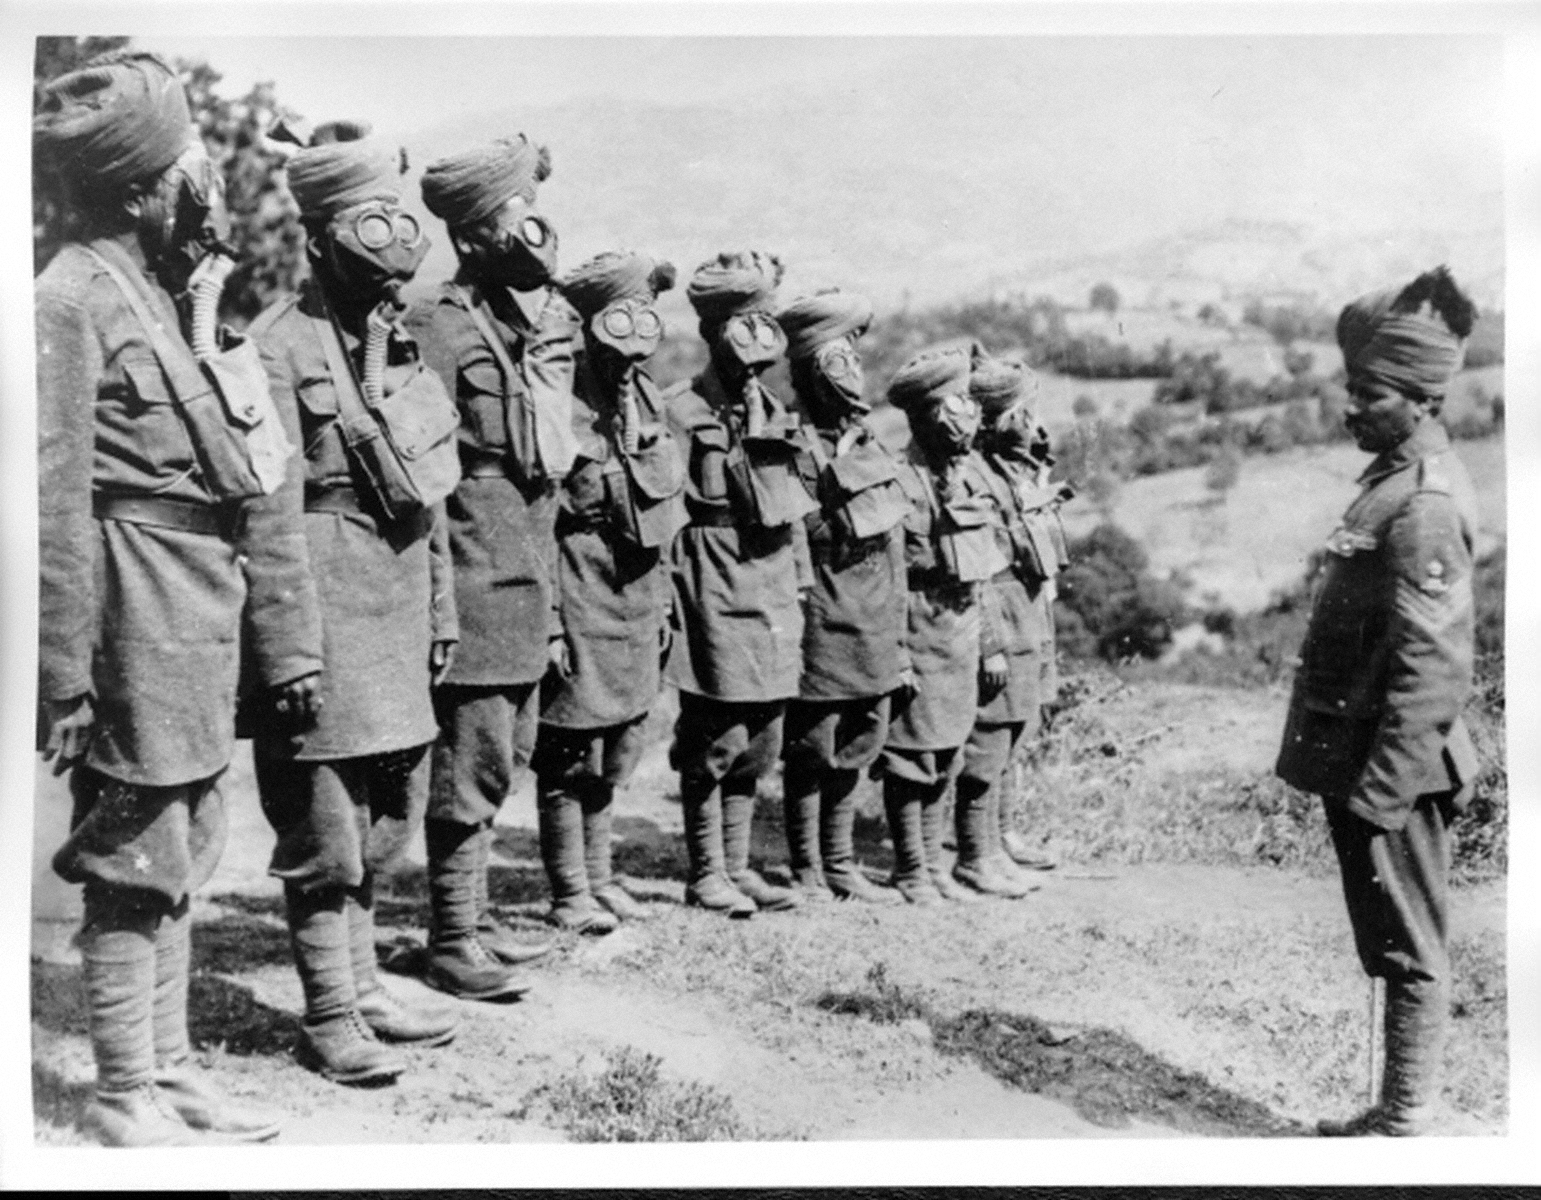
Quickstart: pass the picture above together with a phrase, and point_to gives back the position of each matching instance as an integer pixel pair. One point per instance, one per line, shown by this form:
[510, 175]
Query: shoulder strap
[816, 448]
[350, 396]
[175, 364]
[521, 432]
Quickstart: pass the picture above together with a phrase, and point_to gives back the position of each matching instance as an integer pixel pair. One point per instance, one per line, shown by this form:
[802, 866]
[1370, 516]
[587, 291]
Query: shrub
[629, 1101]
[1119, 608]
[1105, 297]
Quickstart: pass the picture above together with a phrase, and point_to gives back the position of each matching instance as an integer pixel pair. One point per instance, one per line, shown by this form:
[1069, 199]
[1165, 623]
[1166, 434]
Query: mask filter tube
[378, 325]
[207, 284]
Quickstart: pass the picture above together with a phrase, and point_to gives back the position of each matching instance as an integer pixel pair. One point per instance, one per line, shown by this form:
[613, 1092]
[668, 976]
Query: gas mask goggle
[631, 327]
[754, 339]
[382, 238]
[950, 423]
[1013, 429]
[185, 215]
[517, 245]
[838, 368]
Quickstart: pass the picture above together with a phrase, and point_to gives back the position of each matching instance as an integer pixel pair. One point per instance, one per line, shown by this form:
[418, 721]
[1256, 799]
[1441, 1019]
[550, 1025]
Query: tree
[1105, 297]
[1084, 408]
[1224, 471]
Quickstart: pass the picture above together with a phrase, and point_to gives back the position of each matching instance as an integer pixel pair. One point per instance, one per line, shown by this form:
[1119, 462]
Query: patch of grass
[630, 1101]
[885, 1004]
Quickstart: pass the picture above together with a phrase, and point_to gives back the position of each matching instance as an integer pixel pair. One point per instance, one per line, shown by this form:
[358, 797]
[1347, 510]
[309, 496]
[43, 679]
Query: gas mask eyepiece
[631, 327]
[382, 236]
[754, 339]
[839, 369]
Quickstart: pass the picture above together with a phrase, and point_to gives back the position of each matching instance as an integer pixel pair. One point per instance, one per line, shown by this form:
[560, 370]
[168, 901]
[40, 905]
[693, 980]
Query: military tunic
[140, 613]
[1374, 724]
[344, 794]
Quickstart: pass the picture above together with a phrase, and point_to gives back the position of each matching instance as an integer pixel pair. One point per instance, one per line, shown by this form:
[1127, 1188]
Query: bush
[1105, 297]
[1287, 323]
[1120, 610]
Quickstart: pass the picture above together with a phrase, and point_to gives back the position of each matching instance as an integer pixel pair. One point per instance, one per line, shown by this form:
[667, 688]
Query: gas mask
[631, 328]
[947, 426]
[838, 376]
[182, 219]
[375, 243]
[753, 339]
[516, 247]
[1013, 432]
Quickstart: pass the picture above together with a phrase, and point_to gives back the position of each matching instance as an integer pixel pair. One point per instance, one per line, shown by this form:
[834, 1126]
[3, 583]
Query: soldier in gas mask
[1021, 595]
[345, 786]
[953, 635]
[501, 338]
[740, 565]
[155, 432]
[620, 512]
[854, 651]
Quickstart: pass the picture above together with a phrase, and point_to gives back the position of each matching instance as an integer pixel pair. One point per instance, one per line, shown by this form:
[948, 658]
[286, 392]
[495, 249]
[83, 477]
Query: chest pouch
[224, 403]
[869, 500]
[762, 475]
[966, 542]
[646, 488]
[404, 446]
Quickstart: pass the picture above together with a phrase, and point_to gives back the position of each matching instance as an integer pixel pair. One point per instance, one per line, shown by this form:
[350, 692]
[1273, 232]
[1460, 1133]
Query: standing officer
[344, 791]
[1374, 723]
[739, 567]
[620, 512]
[854, 619]
[140, 583]
[501, 338]
[1022, 601]
[954, 639]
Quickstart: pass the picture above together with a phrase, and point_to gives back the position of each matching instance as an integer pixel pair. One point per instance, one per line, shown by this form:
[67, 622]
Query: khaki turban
[121, 118]
[466, 188]
[932, 374]
[998, 384]
[615, 275]
[810, 321]
[331, 175]
[733, 283]
[1412, 340]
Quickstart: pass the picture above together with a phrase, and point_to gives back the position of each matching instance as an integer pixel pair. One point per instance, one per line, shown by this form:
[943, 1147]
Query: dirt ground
[1120, 1000]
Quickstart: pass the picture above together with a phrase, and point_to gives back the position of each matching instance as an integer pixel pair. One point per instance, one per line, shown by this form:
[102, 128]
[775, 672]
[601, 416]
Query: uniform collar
[1428, 439]
[517, 310]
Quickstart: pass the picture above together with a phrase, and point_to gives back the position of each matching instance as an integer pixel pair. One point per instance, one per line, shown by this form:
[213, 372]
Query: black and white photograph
[595, 584]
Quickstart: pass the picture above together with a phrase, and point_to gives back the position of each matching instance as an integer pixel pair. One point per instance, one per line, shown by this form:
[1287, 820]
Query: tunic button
[1342, 703]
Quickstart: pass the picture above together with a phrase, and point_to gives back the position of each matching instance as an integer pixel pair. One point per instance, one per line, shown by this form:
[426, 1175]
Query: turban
[340, 168]
[1412, 340]
[122, 117]
[930, 375]
[615, 275]
[810, 321]
[733, 283]
[998, 384]
[466, 188]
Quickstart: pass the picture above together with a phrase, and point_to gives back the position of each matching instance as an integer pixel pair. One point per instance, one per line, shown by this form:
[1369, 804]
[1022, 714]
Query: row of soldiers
[409, 552]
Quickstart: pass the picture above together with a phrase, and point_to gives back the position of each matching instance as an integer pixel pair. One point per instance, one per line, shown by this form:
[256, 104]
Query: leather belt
[340, 499]
[712, 518]
[924, 578]
[164, 512]
[485, 471]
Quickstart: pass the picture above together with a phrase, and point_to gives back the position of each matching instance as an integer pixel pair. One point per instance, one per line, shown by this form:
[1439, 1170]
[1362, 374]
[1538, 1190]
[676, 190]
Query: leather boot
[737, 827]
[186, 1090]
[334, 1040]
[933, 825]
[709, 887]
[800, 814]
[1414, 1038]
[458, 963]
[597, 808]
[977, 867]
[561, 850]
[902, 804]
[118, 965]
[837, 819]
[387, 1015]
[501, 941]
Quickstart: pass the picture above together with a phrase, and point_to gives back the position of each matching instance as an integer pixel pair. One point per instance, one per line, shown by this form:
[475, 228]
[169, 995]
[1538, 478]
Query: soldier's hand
[559, 656]
[66, 726]
[993, 672]
[299, 700]
[440, 658]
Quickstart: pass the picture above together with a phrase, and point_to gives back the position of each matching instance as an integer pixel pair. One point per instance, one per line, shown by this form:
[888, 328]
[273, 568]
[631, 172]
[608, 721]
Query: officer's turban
[733, 283]
[932, 374]
[1411, 340]
[998, 383]
[121, 118]
[469, 187]
[810, 321]
[341, 167]
[615, 275]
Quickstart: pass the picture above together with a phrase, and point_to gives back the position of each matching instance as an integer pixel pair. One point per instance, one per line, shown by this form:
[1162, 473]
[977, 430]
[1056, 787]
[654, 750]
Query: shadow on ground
[58, 1101]
[1107, 1078]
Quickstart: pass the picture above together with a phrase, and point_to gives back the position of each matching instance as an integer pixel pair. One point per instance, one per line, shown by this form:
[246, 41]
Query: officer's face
[1379, 417]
